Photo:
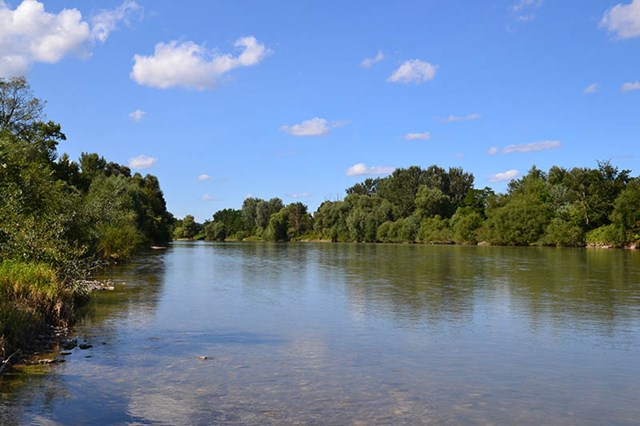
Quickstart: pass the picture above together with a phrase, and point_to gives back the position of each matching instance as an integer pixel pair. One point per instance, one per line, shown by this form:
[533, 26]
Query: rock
[65, 353]
[85, 346]
[67, 345]
[203, 357]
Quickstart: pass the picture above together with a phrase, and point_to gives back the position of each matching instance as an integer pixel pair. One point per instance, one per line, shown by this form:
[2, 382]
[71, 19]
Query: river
[338, 334]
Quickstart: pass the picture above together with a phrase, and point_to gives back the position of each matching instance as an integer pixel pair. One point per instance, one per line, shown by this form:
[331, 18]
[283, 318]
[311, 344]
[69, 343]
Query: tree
[19, 108]
[401, 188]
[189, 227]
[432, 201]
[626, 212]
[368, 187]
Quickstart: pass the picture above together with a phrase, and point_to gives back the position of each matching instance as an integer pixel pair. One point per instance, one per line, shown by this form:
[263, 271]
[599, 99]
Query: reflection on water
[339, 334]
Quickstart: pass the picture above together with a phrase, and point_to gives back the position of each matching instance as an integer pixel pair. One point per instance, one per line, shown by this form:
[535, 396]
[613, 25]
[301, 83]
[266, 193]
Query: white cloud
[192, 66]
[623, 20]
[504, 176]
[628, 87]
[456, 118]
[142, 162]
[207, 197]
[459, 154]
[204, 177]
[525, 4]
[418, 136]
[362, 169]
[368, 62]
[137, 115]
[313, 127]
[592, 88]
[524, 10]
[492, 150]
[532, 147]
[302, 195]
[29, 34]
[106, 21]
[414, 71]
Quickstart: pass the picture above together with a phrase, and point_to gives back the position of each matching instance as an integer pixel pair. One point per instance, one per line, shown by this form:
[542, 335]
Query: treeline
[562, 207]
[59, 216]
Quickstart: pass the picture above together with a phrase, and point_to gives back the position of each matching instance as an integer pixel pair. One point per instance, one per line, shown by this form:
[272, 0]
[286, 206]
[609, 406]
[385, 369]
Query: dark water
[350, 334]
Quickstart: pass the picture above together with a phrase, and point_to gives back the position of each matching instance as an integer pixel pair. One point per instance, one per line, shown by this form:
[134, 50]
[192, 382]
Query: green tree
[626, 212]
[19, 108]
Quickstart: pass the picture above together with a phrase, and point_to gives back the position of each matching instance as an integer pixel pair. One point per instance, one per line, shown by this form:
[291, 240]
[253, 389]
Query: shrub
[605, 236]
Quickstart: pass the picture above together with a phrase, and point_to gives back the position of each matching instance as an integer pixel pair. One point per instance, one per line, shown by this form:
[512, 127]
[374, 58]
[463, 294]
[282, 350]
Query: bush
[117, 241]
[435, 230]
[605, 236]
[561, 233]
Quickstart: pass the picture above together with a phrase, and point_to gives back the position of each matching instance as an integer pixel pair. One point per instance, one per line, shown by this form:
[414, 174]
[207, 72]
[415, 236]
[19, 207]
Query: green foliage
[606, 236]
[465, 225]
[277, 228]
[30, 296]
[437, 206]
[58, 216]
[435, 230]
[626, 212]
[563, 233]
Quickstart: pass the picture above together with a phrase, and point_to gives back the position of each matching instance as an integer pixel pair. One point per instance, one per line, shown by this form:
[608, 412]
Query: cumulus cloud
[204, 177]
[628, 87]
[137, 115]
[368, 62]
[592, 88]
[492, 150]
[313, 127]
[532, 147]
[29, 34]
[192, 66]
[418, 136]
[504, 176]
[362, 169]
[458, 118]
[414, 71]
[107, 21]
[622, 20]
[142, 162]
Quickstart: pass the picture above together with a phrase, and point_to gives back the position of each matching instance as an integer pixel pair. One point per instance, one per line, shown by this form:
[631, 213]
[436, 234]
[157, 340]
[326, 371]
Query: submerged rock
[69, 344]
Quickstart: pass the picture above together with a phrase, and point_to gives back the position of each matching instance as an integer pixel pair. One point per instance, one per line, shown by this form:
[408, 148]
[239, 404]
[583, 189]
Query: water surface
[350, 334]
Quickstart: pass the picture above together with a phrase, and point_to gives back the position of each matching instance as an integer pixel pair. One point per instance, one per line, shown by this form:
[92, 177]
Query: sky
[301, 99]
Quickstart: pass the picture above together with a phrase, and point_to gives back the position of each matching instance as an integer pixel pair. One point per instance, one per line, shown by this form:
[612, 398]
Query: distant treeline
[59, 217]
[562, 207]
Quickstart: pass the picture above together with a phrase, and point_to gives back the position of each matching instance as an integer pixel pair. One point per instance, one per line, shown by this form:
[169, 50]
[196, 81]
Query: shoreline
[51, 342]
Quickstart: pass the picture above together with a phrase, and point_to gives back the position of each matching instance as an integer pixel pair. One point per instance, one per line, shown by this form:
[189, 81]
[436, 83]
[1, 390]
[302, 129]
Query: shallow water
[350, 334]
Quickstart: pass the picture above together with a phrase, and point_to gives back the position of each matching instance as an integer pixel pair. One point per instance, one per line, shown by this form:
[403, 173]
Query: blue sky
[301, 99]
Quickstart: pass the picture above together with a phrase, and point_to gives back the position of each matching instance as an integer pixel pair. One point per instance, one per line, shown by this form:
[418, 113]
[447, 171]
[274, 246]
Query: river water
[339, 334]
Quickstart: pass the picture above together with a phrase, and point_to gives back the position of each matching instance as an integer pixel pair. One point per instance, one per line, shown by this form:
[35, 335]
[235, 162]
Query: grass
[31, 296]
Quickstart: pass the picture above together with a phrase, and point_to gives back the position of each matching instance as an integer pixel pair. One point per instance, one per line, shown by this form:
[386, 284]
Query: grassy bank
[32, 297]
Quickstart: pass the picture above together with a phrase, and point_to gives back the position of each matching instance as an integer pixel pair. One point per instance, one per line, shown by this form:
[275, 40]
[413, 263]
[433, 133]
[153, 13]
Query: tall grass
[31, 296]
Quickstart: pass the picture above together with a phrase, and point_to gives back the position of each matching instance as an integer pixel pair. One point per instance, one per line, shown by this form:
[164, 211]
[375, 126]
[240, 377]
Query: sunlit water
[350, 334]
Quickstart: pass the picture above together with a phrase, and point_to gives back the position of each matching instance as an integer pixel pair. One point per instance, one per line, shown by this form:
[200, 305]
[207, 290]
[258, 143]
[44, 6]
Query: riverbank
[36, 309]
